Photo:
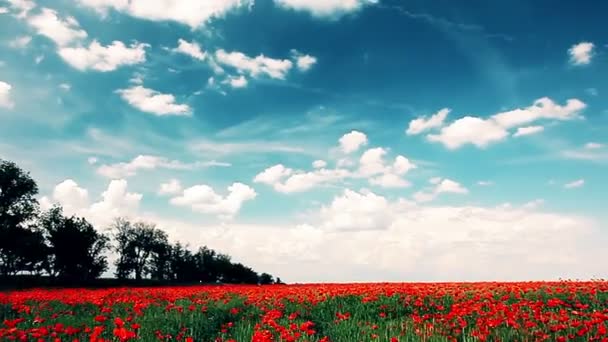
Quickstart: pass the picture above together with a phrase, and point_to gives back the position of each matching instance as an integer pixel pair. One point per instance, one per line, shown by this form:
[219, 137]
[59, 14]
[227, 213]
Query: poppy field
[530, 311]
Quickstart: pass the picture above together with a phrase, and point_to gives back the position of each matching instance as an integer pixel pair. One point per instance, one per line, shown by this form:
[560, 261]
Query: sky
[323, 140]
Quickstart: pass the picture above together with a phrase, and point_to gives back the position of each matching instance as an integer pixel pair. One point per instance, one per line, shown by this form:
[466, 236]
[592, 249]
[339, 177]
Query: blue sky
[323, 140]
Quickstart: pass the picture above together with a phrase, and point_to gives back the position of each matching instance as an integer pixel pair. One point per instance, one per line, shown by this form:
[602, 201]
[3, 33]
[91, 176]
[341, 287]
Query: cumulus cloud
[581, 53]
[482, 132]
[154, 102]
[423, 123]
[115, 201]
[193, 13]
[149, 162]
[236, 81]
[202, 198]
[5, 95]
[324, 8]
[286, 180]
[575, 184]
[103, 58]
[441, 185]
[318, 164]
[192, 49]
[303, 62]
[172, 187]
[363, 236]
[255, 66]
[352, 141]
[63, 31]
[528, 130]
[20, 42]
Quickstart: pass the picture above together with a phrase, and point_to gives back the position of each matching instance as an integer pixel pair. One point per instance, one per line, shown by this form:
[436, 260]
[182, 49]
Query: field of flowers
[531, 311]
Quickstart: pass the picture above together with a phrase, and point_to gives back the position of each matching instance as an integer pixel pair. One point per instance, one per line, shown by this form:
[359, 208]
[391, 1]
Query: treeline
[70, 249]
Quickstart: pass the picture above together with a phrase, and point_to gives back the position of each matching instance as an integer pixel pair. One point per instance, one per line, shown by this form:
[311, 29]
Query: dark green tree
[136, 243]
[18, 209]
[266, 279]
[76, 249]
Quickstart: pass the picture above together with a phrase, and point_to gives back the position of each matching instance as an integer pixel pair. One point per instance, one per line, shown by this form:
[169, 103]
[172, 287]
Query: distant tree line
[55, 245]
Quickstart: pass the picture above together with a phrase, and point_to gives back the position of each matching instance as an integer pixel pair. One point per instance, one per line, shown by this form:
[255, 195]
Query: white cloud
[3, 10]
[152, 101]
[236, 81]
[172, 187]
[286, 180]
[62, 31]
[352, 141]
[441, 186]
[255, 67]
[592, 91]
[422, 124]
[193, 13]
[575, 184]
[65, 86]
[543, 108]
[148, 162]
[20, 42]
[303, 62]
[115, 201]
[319, 164]
[534, 204]
[581, 53]
[528, 130]
[39, 59]
[485, 183]
[202, 198]
[5, 95]
[469, 130]
[324, 8]
[22, 6]
[593, 145]
[92, 160]
[356, 212]
[482, 132]
[104, 58]
[191, 49]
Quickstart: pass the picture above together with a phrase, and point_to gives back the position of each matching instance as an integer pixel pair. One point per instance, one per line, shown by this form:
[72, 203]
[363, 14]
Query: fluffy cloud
[482, 132]
[324, 8]
[362, 236]
[193, 13]
[441, 186]
[5, 95]
[20, 42]
[115, 201]
[63, 31]
[151, 101]
[103, 58]
[319, 164]
[351, 142]
[172, 187]
[256, 66]
[286, 180]
[236, 81]
[22, 7]
[373, 166]
[191, 49]
[469, 130]
[528, 130]
[202, 198]
[581, 53]
[148, 162]
[303, 62]
[422, 124]
[575, 184]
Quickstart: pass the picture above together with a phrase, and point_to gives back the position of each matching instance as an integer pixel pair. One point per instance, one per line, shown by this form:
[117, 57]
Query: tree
[266, 279]
[136, 244]
[18, 207]
[76, 248]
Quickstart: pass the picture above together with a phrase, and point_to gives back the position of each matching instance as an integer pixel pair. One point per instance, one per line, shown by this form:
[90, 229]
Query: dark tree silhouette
[136, 244]
[266, 279]
[18, 208]
[76, 248]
